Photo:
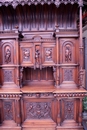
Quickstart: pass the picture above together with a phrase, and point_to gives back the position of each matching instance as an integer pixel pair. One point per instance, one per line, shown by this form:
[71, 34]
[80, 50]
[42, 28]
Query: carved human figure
[48, 53]
[7, 55]
[68, 54]
[37, 54]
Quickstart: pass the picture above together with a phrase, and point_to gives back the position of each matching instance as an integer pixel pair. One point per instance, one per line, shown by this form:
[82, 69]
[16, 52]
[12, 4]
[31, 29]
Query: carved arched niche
[7, 53]
[68, 52]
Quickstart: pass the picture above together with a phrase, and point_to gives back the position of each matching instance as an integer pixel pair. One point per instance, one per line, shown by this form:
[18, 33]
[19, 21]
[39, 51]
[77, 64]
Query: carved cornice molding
[14, 3]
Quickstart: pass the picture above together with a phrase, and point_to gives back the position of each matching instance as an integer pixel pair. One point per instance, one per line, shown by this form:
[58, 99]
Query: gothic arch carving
[68, 51]
[7, 53]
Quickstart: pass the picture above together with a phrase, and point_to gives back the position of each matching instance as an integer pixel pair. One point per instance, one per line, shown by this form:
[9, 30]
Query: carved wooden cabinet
[42, 76]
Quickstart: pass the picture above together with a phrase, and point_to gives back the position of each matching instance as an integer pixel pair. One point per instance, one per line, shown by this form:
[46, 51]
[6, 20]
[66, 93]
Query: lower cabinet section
[41, 111]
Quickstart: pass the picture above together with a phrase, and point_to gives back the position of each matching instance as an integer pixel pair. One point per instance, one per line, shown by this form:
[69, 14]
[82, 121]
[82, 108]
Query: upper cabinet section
[39, 17]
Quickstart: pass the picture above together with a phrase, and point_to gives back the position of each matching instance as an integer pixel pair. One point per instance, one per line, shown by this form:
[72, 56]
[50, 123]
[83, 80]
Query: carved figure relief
[48, 54]
[37, 55]
[7, 54]
[26, 54]
[8, 113]
[68, 74]
[8, 76]
[69, 109]
[68, 54]
[38, 110]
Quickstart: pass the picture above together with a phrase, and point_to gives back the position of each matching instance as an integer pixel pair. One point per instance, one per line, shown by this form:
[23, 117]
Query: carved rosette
[8, 112]
[69, 110]
[68, 74]
[38, 110]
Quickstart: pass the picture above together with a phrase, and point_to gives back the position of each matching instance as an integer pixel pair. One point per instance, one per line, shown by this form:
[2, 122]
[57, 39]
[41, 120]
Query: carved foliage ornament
[69, 109]
[68, 74]
[8, 112]
[38, 110]
[8, 76]
[14, 3]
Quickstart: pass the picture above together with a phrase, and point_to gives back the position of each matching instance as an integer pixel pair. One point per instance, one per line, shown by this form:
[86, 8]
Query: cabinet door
[26, 54]
[48, 54]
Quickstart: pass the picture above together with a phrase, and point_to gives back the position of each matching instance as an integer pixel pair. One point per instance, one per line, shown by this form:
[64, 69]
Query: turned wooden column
[17, 61]
[80, 40]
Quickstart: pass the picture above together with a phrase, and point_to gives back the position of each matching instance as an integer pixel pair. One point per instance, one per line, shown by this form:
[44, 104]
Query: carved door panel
[8, 110]
[68, 51]
[26, 54]
[8, 52]
[68, 111]
[38, 109]
[68, 60]
[48, 54]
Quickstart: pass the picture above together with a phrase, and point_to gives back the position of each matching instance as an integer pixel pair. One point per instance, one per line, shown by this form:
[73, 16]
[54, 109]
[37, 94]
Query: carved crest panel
[68, 74]
[48, 54]
[38, 110]
[8, 75]
[69, 109]
[26, 54]
[8, 110]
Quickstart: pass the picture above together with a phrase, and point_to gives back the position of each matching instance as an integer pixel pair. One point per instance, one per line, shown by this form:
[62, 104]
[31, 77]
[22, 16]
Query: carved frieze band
[29, 2]
[38, 110]
[44, 95]
[8, 112]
